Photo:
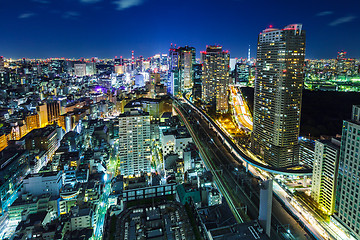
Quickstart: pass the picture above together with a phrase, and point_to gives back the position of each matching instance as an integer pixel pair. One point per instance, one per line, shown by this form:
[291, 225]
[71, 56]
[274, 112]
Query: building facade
[348, 187]
[134, 142]
[181, 72]
[215, 77]
[278, 93]
[43, 183]
[325, 168]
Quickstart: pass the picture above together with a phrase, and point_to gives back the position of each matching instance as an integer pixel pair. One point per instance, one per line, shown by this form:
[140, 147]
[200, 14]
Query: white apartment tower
[325, 169]
[134, 142]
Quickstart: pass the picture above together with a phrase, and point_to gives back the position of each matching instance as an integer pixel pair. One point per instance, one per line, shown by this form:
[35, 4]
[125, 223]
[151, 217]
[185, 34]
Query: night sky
[108, 28]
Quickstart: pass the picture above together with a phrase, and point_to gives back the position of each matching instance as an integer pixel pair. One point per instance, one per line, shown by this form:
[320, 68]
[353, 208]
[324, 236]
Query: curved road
[239, 153]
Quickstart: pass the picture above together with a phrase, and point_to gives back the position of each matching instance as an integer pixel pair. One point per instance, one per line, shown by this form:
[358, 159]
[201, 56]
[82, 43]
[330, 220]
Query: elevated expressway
[240, 153]
[219, 152]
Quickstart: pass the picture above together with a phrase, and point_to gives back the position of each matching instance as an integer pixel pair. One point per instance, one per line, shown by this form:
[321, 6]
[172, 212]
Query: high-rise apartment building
[181, 70]
[325, 168]
[348, 187]
[215, 77]
[278, 92]
[134, 142]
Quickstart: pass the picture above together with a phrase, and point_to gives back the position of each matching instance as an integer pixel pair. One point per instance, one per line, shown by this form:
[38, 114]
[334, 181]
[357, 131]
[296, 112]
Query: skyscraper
[215, 77]
[134, 142]
[278, 92]
[181, 76]
[186, 62]
[196, 91]
[173, 79]
[348, 187]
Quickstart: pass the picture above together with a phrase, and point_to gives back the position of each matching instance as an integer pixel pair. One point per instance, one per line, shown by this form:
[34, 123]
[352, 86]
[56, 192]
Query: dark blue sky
[108, 28]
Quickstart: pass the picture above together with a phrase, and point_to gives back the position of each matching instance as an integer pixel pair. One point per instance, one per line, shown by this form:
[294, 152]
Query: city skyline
[105, 29]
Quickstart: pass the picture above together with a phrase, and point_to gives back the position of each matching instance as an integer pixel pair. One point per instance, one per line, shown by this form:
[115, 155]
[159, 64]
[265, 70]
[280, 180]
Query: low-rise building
[81, 218]
[43, 183]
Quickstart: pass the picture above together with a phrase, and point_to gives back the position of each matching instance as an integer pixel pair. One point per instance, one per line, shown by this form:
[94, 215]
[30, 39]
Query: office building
[134, 142]
[186, 61]
[53, 111]
[278, 92]
[46, 139]
[80, 69]
[242, 72]
[173, 81]
[196, 90]
[348, 187]
[325, 168]
[14, 165]
[43, 115]
[32, 121]
[181, 72]
[215, 77]
[306, 152]
[43, 183]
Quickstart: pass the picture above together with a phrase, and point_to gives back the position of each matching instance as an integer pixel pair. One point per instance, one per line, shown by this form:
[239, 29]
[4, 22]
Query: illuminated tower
[173, 79]
[215, 77]
[181, 69]
[132, 60]
[186, 62]
[278, 92]
[341, 55]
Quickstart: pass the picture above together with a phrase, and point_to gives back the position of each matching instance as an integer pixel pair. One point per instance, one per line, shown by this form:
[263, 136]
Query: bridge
[239, 153]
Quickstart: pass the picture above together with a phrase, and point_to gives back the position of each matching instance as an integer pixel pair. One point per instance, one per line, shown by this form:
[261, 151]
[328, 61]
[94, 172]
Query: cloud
[90, 1]
[324, 13]
[123, 4]
[26, 15]
[70, 15]
[342, 20]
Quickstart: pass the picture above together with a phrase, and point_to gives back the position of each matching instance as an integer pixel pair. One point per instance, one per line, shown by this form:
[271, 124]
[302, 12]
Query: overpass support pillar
[304, 181]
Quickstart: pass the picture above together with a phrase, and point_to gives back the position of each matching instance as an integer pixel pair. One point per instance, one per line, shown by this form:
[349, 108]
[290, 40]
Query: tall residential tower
[215, 77]
[278, 92]
[134, 142]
